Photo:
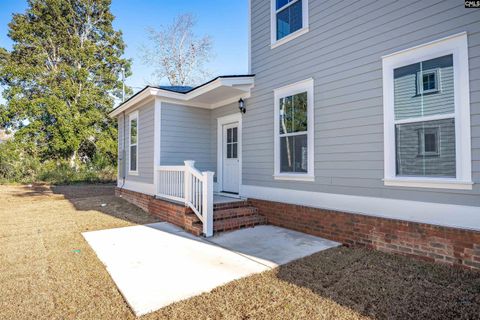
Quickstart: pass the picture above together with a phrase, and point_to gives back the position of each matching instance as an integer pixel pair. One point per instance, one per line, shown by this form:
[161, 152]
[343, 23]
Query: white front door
[230, 161]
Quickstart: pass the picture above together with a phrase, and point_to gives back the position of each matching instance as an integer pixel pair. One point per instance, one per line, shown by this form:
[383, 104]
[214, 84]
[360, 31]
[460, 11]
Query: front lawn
[48, 271]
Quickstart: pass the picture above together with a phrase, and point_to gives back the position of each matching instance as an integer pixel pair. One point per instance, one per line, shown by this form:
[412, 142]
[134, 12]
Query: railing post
[187, 191]
[207, 202]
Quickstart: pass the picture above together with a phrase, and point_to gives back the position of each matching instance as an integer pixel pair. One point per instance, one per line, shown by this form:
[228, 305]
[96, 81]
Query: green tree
[61, 79]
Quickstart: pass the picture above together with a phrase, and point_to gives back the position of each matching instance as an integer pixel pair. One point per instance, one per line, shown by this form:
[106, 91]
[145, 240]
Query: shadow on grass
[384, 286]
[33, 190]
[101, 197]
[87, 197]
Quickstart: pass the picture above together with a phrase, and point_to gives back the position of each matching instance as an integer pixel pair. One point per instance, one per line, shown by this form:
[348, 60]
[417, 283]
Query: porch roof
[210, 95]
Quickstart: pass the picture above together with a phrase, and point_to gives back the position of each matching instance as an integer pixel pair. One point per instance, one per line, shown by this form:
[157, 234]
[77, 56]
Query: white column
[156, 143]
[207, 203]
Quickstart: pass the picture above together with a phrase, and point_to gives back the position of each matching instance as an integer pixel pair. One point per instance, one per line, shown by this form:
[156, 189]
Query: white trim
[448, 215]
[249, 44]
[134, 103]
[132, 116]
[142, 187]
[289, 90]
[420, 46]
[429, 183]
[293, 177]
[121, 151]
[273, 24]
[227, 195]
[137, 105]
[290, 37]
[242, 83]
[185, 103]
[232, 118]
[426, 118]
[457, 45]
[156, 139]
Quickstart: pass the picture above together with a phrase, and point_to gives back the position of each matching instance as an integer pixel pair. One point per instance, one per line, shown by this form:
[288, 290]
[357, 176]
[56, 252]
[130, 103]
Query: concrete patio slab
[272, 245]
[158, 264]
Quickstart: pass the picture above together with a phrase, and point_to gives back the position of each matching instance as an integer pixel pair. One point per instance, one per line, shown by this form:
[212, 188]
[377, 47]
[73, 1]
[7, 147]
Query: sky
[226, 21]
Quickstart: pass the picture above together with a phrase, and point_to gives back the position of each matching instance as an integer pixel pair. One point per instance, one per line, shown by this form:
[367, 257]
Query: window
[133, 142]
[428, 81]
[427, 136]
[289, 20]
[232, 143]
[428, 141]
[294, 132]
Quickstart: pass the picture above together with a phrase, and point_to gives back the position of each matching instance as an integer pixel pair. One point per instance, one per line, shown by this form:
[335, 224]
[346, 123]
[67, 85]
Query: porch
[185, 196]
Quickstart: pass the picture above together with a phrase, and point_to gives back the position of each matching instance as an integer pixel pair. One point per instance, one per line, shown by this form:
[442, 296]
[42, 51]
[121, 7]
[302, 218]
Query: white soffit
[213, 94]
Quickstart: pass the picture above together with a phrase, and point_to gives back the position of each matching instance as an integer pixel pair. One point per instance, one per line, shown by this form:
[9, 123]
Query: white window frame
[273, 23]
[420, 75]
[290, 90]
[457, 45]
[132, 116]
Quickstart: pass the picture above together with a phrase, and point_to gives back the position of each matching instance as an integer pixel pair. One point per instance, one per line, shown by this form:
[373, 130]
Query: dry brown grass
[48, 271]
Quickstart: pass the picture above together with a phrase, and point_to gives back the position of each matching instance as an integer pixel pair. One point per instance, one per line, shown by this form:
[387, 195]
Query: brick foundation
[446, 245]
[176, 214]
[458, 247]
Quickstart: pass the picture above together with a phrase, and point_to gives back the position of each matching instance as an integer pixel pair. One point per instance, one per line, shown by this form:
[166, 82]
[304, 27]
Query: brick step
[220, 214]
[191, 219]
[234, 213]
[229, 205]
[238, 223]
[195, 229]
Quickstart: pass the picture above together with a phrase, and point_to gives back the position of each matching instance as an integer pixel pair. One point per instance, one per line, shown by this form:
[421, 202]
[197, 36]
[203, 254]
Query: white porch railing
[188, 185]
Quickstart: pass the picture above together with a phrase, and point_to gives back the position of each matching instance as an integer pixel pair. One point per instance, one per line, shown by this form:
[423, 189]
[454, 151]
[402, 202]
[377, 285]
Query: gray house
[357, 123]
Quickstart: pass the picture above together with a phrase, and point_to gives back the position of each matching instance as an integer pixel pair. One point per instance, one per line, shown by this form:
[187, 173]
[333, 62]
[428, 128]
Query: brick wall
[139, 199]
[176, 214]
[451, 246]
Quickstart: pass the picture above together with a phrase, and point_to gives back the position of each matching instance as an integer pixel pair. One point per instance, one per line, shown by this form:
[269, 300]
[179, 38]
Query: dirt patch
[48, 271]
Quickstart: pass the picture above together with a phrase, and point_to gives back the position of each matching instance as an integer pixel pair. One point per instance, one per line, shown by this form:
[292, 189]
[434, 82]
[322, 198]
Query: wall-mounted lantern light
[241, 106]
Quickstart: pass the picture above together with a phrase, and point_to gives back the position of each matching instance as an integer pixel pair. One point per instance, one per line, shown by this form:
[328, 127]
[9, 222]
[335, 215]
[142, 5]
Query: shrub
[16, 165]
[19, 166]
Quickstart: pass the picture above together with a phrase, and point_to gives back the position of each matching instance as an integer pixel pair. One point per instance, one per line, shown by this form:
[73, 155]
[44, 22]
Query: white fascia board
[244, 84]
[146, 93]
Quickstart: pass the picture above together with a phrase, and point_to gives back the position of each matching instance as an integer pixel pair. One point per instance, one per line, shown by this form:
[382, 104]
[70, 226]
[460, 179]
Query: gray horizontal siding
[342, 52]
[145, 144]
[185, 135]
[189, 133]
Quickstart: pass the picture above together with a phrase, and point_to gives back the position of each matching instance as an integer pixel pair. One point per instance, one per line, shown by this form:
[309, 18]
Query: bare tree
[177, 54]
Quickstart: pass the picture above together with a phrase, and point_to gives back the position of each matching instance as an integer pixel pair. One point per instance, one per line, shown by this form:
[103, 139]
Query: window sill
[133, 173]
[286, 39]
[429, 183]
[294, 177]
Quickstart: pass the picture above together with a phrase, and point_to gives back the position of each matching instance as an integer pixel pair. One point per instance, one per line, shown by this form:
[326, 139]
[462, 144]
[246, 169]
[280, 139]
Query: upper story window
[428, 81]
[133, 142]
[289, 20]
[427, 116]
[428, 141]
[294, 132]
